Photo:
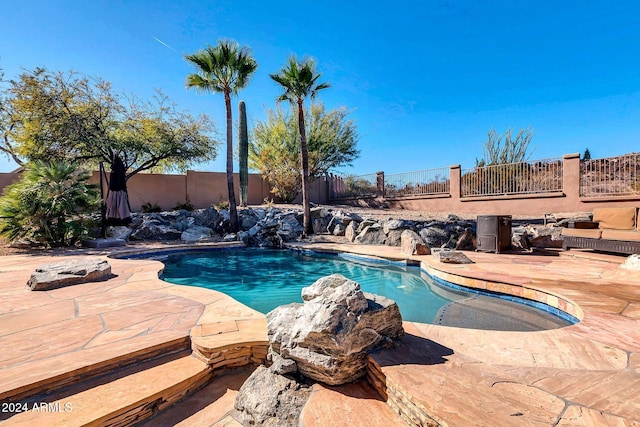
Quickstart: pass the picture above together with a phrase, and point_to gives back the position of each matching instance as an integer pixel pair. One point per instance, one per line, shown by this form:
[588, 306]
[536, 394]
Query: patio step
[31, 378]
[211, 405]
[121, 398]
[355, 405]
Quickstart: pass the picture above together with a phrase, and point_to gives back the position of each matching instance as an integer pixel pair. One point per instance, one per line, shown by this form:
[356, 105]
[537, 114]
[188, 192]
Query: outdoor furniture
[612, 230]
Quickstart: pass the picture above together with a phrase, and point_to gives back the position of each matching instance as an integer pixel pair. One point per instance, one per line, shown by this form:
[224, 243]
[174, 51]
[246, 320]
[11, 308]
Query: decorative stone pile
[268, 227]
[325, 339]
[535, 236]
[453, 233]
[273, 227]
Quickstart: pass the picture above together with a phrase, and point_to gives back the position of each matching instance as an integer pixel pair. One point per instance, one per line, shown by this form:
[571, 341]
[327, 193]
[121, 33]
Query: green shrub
[222, 203]
[186, 206]
[151, 207]
[48, 204]
[505, 148]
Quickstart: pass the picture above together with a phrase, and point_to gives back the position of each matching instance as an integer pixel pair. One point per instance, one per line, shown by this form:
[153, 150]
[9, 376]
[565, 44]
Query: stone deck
[585, 374]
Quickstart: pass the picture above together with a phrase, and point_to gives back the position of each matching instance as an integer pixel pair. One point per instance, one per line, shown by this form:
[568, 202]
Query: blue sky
[424, 80]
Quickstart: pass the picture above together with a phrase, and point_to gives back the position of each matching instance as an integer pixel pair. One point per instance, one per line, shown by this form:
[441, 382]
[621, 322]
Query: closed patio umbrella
[118, 211]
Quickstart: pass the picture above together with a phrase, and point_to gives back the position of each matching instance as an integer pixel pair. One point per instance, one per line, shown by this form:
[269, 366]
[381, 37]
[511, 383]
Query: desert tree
[72, 117]
[275, 146]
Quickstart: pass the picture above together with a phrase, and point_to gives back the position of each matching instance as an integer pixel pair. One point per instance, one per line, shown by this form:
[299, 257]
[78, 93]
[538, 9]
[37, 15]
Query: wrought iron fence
[611, 176]
[540, 176]
[418, 183]
[353, 186]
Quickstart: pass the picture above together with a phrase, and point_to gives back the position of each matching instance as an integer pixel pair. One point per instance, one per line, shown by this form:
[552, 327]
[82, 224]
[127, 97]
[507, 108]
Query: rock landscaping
[325, 339]
[273, 227]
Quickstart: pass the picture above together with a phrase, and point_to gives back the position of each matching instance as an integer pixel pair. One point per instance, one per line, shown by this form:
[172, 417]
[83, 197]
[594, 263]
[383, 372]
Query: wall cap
[420, 197]
[610, 198]
[512, 196]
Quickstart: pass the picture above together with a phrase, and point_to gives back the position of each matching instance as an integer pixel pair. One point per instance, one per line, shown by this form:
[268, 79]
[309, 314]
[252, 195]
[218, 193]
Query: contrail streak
[163, 43]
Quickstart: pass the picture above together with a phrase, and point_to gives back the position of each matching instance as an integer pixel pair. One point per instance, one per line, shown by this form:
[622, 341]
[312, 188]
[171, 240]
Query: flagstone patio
[145, 344]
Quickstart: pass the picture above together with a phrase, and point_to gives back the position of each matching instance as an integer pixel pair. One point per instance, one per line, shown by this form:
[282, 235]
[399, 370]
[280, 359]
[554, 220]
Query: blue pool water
[265, 278]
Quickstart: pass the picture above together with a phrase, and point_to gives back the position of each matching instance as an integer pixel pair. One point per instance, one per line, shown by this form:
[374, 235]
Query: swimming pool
[266, 278]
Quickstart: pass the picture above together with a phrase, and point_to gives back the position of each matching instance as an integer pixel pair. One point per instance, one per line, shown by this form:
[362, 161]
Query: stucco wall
[204, 189]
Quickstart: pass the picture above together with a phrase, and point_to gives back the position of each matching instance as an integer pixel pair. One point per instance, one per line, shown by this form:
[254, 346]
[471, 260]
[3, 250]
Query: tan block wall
[203, 189]
[318, 192]
[209, 188]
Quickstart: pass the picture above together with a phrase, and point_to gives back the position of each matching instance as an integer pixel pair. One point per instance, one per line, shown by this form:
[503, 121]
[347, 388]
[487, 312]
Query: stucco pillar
[454, 182]
[571, 178]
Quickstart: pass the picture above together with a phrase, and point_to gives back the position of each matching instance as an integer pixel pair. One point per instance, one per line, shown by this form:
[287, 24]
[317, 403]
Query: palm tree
[225, 68]
[299, 80]
[47, 203]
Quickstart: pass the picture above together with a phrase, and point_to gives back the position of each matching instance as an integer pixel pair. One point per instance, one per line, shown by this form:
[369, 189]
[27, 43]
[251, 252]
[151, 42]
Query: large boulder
[351, 232]
[269, 399]
[364, 224]
[412, 244]
[320, 219]
[520, 238]
[536, 236]
[329, 335]
[467, 241]
[273, 230]
[66, 273]
[320, 212]
[196, 234]
[335, 222]
[289, 226]
[371, 235]
[434, 235]
[545, 237]
[339, 229]
[449, 256]
[208, 217]
[119, 232]
[347, 217]
[154, 227]
[248, 219]
[393, 230]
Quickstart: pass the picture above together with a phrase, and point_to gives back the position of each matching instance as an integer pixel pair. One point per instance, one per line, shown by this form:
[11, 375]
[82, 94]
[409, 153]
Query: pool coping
[532, 296]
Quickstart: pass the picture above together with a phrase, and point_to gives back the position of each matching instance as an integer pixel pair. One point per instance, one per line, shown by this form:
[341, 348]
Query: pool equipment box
[493, 233]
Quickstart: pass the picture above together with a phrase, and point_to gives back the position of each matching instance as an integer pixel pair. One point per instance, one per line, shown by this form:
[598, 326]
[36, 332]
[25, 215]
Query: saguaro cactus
[243, 137]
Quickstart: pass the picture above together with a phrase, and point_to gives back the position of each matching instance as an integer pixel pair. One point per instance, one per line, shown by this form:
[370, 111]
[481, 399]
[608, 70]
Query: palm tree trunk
[304, 156]
[233, 212]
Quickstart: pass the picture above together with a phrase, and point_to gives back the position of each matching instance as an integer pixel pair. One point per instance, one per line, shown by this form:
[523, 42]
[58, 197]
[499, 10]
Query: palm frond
[226, 67]
[298, 79]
